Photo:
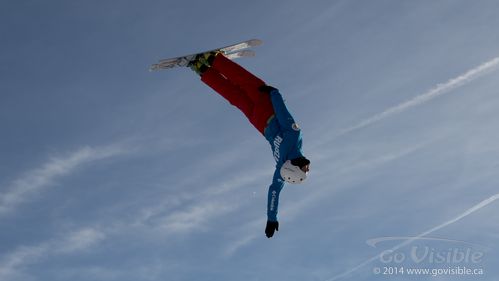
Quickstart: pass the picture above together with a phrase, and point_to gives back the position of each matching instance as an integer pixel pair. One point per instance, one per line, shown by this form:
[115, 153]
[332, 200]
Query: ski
[167, 64]
[232, 52]
[241, 54]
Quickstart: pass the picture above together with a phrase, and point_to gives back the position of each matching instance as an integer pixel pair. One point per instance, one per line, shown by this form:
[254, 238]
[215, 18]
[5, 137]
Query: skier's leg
[244, 95]
[262, 111]
[239, 76]
[233, 94]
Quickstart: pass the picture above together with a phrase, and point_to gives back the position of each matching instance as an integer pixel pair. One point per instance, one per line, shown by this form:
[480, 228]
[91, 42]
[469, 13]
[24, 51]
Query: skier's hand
[272, 226]
[266, 89]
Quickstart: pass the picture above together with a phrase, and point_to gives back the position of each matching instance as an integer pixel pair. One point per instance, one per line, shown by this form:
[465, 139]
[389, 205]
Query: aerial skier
[264, 107]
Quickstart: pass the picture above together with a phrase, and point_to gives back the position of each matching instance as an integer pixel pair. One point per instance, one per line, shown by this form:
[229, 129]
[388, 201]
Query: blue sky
[110, 172]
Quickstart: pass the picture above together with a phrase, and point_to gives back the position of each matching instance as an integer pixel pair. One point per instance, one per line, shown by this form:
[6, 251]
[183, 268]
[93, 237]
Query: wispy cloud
[23, 255]
[466, 213]
[79, 240]
[196, 216]
[37, 179]
[437, 91]
[246, 234]
[187, 209]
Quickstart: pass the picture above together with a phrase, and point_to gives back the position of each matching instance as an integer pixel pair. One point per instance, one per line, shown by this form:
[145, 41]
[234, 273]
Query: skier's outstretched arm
[273, 204]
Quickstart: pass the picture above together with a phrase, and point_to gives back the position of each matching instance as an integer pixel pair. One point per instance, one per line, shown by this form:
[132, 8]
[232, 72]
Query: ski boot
[202, 61]
[208, 57]
[198, 66]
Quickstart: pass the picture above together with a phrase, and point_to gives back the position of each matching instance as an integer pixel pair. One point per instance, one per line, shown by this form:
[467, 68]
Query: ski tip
[255, 42]
[241, 54]
[154, 67]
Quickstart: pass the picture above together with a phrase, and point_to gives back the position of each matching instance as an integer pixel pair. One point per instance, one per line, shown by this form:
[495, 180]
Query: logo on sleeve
[295, 127]
[272, 201]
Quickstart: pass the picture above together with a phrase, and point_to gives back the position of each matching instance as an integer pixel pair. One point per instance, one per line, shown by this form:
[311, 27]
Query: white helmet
[292, 174]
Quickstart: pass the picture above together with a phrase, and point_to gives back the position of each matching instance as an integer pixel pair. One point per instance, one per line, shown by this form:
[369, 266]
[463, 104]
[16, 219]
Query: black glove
[266, 89]
[272, 226]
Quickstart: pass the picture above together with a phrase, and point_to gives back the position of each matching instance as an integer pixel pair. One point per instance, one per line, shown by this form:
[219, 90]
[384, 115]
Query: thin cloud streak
[194, 217]
[437, 91]
[39, 178]
[76, 241]
[466, 213]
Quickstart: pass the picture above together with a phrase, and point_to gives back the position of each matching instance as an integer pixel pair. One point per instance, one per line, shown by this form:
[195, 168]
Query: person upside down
[264, 107]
